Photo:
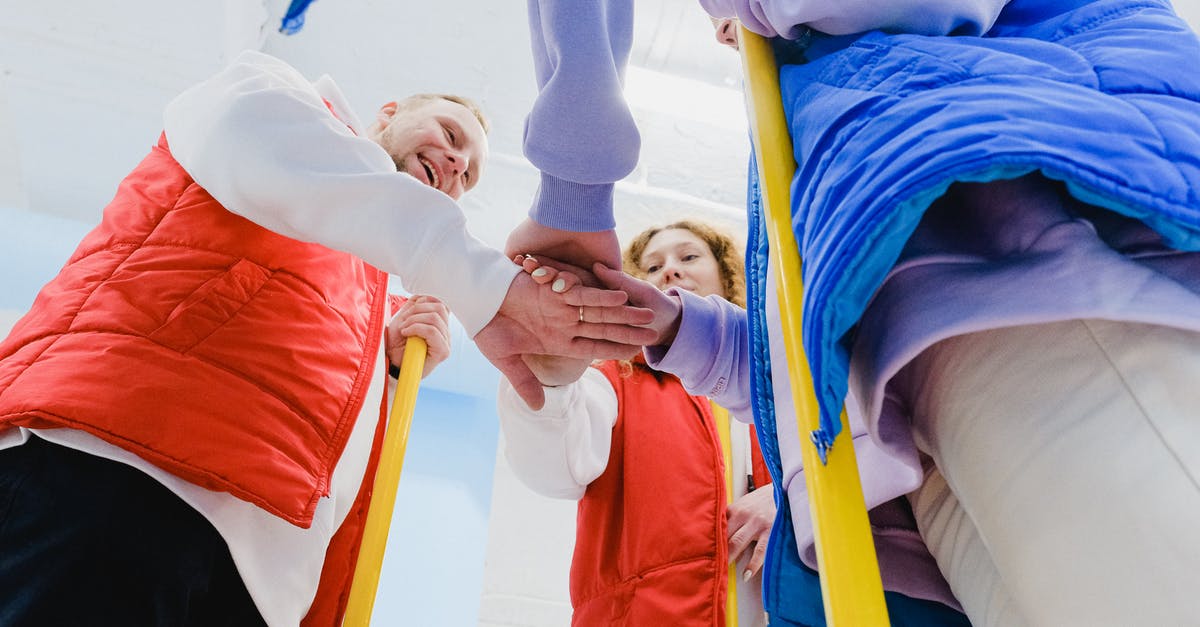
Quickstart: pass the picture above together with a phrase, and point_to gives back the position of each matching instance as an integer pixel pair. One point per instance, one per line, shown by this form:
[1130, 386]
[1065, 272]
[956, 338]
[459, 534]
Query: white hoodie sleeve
[558, 450]
[260, 139]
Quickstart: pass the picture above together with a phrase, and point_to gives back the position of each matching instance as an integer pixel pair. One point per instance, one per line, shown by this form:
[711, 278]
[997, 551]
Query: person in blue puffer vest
[998, 215]
[997, 208]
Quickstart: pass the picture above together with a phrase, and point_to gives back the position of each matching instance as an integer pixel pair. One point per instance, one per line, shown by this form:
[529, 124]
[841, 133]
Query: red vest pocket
[211, 305]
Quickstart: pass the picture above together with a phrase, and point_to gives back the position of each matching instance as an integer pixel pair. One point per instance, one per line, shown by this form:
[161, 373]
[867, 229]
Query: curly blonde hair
[729, 258]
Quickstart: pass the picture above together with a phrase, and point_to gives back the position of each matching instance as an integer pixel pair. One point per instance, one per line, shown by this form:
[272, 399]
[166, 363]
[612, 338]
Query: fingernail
[559, 286]
[747, 574]
[540, 272]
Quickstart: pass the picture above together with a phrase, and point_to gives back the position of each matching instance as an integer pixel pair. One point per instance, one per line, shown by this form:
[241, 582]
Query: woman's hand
[552, 370]
[750, 520]
[667, 308]
[563, 277]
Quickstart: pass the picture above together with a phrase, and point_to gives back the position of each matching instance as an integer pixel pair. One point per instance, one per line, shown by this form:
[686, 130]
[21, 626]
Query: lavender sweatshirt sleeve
[772, 18]
[580, 132]
[711, 352]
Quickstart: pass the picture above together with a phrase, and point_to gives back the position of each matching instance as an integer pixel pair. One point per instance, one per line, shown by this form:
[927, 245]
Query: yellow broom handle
[721, 420]
[387, 479]
[850, 582]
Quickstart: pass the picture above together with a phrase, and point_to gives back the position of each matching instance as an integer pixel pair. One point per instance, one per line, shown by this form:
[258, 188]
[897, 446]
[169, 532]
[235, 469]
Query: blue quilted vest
[1102, 95]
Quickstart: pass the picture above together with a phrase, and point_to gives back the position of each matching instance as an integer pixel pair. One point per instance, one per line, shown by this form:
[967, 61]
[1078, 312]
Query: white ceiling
[83, 84]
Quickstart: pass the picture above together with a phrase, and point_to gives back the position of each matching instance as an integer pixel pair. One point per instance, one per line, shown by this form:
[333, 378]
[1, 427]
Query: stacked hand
[558, 316]
[562, 278]
[534, 320]
[577, 249]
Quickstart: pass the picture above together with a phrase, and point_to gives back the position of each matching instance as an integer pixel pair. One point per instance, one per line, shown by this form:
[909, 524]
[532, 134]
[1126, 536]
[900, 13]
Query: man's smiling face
[439, 142]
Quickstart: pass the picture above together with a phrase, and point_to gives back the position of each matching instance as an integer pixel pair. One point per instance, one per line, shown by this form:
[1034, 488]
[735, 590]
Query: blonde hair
[416, 100]
[729, 258]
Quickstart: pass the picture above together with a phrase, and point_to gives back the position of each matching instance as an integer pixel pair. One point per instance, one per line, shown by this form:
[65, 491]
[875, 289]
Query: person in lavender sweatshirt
[997, 214]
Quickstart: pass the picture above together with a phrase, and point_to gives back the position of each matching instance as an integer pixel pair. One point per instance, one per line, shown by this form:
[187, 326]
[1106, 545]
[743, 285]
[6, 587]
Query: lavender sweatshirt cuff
[710, 354]
[569, 206]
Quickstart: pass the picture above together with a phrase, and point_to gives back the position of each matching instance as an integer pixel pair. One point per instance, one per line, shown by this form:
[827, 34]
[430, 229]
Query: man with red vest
[190, 410]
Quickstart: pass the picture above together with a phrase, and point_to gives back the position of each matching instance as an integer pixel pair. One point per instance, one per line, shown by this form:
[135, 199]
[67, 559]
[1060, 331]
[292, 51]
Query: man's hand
[750, 520]
[553, 370]
[427, 318]
[562, 277]
[537, 321]
[579, 249]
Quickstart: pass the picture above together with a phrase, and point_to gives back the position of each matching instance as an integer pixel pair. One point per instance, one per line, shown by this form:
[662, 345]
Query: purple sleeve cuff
[710, 352]
[568, 206]
[695, 346]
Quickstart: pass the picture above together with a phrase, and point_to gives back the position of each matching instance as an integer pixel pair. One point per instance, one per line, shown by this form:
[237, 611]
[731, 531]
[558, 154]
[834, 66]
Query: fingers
[639, 292]
[564, 282]
[623, 315]
[419, 304]
[590, 296]
[582, 347]
[560, 280]
[543, 275]
[613, 279]
[428, 320]
[750, 520]
[546, 270]
[602, 305]
[742, 538]
[395, 354]
[757, 558]
[428, 326]
[428, 313]
[623, 334]
[524, 383]
[530, 262]
[533, 320]
[739, 541]
[533, 267]
[603, 310]
[437, 340]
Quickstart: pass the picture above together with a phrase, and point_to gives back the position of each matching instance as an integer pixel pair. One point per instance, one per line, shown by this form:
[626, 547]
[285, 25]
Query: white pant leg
[962, 556]
[1074, 449]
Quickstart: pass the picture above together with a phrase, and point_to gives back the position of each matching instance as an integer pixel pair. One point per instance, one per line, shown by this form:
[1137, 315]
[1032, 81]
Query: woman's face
[679, 258]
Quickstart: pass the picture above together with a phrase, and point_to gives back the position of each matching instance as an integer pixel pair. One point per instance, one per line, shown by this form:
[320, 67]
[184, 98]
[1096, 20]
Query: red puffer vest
[226, 354]
[650, 545]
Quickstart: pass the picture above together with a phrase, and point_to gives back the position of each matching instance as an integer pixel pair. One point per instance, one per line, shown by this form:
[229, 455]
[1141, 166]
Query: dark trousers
[88, 541]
